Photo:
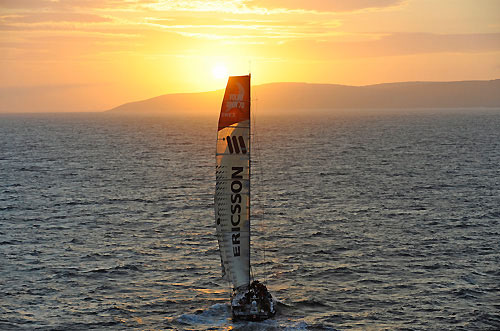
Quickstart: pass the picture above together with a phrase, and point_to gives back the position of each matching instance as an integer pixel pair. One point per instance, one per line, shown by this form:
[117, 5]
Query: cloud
[54, 17]
[68, 4]
[218, 6]
[244, 30]
[228, 6]
[128, 5]
[264, 7]
[414, 43]
[326, 5]
[398, 44]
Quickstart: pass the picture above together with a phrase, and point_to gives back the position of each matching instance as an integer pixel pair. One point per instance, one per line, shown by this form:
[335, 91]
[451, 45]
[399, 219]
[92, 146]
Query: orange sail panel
[236, 103]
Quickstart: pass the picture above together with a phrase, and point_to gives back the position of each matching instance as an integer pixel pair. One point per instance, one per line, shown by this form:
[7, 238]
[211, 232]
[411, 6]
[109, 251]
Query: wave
[118, 269]
[216, 315]
[310, 303]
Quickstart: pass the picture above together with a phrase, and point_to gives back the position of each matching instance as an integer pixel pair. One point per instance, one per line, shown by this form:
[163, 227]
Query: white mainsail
[232, 191]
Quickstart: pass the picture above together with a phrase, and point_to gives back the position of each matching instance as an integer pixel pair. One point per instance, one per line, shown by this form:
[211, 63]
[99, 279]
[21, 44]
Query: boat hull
[253, 303]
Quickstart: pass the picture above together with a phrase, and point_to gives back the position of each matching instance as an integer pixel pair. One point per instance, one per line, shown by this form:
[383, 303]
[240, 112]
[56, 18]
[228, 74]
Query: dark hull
[247, 316]
[254, 303]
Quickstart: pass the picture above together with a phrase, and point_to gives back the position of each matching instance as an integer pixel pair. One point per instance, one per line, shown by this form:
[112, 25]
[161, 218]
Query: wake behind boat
[250, 300]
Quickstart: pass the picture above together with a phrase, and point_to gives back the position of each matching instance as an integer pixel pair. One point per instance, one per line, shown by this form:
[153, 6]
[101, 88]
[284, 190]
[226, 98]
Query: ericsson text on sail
[236, 187]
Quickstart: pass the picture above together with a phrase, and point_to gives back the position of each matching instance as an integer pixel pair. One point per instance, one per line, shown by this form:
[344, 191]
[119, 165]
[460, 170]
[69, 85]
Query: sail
[232, 190]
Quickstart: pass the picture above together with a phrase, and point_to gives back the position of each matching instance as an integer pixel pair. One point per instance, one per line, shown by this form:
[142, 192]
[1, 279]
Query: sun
[219, 71]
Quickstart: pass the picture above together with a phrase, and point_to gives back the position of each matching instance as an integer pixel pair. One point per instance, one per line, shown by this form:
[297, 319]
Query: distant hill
[279, 97]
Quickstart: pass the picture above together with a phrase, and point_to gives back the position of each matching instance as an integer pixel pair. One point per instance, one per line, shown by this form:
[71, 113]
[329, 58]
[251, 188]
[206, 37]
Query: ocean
[369, 220]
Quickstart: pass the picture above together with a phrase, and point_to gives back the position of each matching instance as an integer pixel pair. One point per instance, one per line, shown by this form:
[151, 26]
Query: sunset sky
[91, 55]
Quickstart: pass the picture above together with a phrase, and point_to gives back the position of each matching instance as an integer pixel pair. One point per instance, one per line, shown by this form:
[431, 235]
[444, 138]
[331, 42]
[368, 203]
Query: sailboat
[250, 299]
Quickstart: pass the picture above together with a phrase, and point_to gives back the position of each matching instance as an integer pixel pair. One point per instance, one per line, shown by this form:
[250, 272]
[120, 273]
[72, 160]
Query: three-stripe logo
[236, 144]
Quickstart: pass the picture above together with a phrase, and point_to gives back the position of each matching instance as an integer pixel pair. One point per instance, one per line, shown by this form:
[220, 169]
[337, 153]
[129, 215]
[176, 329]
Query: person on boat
[261, 295]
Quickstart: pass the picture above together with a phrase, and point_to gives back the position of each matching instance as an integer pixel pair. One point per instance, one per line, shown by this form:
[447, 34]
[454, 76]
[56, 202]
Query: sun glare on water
[220, 71]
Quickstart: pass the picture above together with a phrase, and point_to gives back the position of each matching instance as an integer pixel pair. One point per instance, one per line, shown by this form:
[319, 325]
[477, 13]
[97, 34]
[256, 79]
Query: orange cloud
[326, 5]
[54, 17]
[68, 4]
[252, 31]
[397, 44]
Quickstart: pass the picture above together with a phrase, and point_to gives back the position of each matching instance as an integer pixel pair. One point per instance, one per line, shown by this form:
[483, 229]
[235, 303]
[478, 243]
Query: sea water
[361, 220]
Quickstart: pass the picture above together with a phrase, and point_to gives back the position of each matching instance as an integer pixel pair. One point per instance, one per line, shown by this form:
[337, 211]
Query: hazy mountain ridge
[278, 97]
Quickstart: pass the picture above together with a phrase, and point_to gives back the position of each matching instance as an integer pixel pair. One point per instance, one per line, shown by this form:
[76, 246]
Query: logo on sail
[236, 99]
[236, 144]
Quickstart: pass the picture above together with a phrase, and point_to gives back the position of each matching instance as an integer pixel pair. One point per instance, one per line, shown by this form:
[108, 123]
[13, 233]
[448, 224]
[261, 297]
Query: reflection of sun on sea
[220, 71]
